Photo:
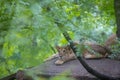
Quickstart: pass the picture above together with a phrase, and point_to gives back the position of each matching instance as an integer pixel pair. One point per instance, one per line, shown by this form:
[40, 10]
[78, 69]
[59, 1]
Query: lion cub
[65, 53]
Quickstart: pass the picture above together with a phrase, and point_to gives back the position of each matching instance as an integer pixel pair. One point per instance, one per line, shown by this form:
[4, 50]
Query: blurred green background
[28, 29]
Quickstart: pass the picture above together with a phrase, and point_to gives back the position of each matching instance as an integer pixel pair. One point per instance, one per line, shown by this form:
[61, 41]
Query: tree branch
[117, 14]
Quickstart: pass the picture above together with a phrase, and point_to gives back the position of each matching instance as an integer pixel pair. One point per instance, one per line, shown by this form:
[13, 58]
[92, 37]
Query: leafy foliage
[28, 29]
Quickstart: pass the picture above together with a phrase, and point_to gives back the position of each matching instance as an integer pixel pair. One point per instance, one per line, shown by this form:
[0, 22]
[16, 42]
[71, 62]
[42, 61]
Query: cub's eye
[64, 50]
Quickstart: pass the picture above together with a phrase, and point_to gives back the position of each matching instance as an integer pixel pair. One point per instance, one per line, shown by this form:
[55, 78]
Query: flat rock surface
[75, 69]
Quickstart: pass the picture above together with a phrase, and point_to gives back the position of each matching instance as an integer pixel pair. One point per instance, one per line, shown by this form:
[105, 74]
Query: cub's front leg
[59, 62]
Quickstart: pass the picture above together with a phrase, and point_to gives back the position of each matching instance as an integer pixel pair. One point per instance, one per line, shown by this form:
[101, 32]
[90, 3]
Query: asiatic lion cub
[65, 53]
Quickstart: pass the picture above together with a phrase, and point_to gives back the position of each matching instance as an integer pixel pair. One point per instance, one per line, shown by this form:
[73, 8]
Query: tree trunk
[117, 14]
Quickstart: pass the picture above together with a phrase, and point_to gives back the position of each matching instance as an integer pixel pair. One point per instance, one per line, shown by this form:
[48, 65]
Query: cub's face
[63, 51]
[65, 54]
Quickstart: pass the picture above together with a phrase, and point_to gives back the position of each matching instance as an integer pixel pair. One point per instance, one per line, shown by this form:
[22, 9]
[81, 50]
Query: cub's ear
[68, 47]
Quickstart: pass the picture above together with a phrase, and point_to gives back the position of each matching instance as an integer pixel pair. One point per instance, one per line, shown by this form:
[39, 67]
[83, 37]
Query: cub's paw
[59, 62]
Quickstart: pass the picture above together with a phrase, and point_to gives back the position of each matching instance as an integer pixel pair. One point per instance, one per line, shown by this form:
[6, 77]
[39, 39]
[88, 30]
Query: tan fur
[65, 53]
[111, 40]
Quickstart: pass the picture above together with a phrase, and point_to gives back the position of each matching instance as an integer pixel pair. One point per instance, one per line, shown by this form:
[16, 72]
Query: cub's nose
[60, 56]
